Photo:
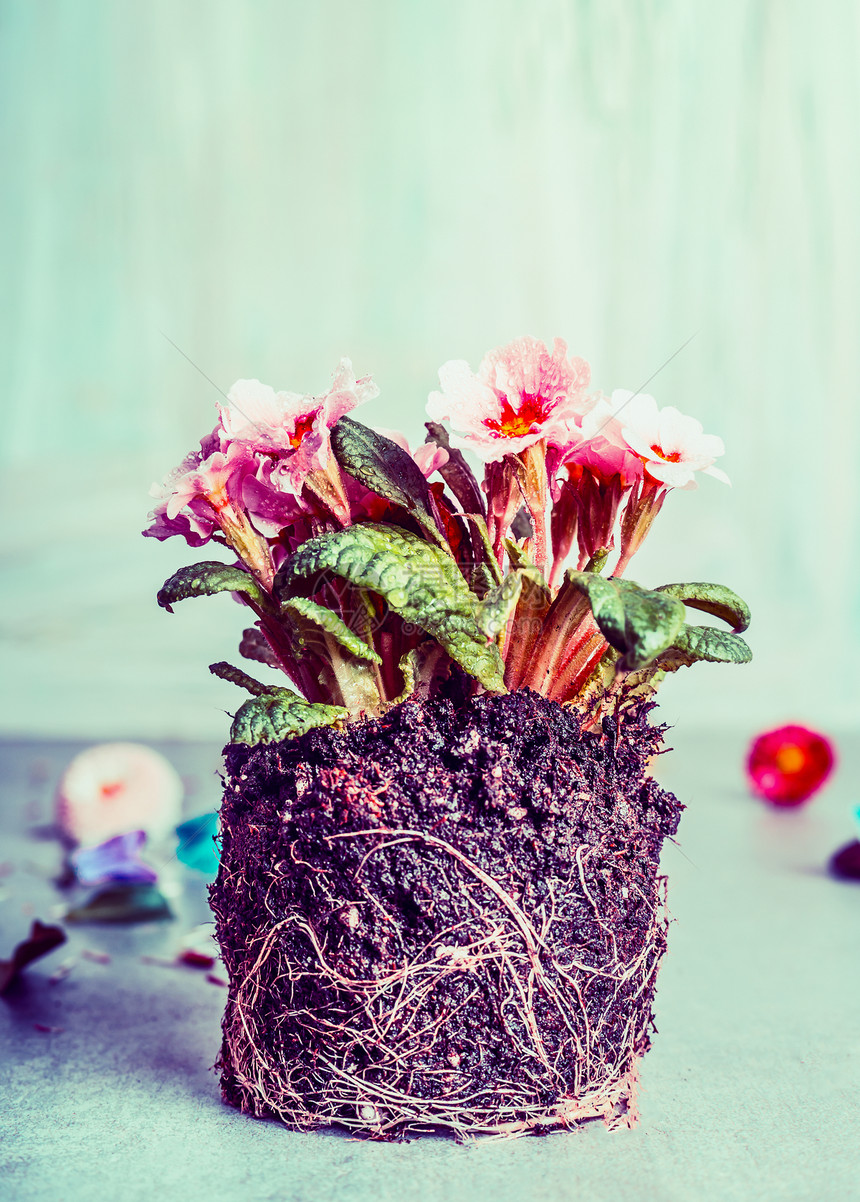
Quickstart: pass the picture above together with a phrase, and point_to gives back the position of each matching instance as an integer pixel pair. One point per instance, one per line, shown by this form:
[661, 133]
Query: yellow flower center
[790, 758]
[513, 423]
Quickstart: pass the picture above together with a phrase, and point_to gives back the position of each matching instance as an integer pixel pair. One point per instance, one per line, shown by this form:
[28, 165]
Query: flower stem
[531, 474]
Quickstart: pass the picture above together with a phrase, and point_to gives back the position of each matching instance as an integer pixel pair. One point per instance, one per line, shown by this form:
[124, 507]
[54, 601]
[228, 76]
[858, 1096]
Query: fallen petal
[196, 959]
[41, 940]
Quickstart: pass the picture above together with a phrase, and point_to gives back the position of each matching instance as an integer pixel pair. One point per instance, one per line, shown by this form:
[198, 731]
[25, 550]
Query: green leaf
[381, 465]
[635, 621]
[456, 473]
[279, 715]
[273, 713]
[484, 573]
[713, 599]
[255, 645]
[331, 623]
[494, 612]
[350, 659]
[421, 668]
[519, 559]
[598, 561]
[408, 665]
[238, 677]
[418, 582]
[204, 579]
[717, 646]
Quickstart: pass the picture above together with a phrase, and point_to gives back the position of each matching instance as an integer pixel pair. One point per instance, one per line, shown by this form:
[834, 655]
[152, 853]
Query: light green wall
[276, 184]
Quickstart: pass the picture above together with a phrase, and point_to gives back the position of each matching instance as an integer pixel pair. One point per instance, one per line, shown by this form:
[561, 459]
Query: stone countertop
[749, 1092]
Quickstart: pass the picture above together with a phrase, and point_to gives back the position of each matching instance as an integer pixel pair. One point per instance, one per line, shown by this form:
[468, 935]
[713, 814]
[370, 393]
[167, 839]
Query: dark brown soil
[447, 918]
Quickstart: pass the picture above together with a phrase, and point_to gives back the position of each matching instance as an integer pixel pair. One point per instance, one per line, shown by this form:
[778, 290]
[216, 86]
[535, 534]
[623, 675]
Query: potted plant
[439, 902]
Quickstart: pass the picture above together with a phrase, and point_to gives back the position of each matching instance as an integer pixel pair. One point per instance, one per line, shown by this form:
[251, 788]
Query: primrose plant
[375, 572]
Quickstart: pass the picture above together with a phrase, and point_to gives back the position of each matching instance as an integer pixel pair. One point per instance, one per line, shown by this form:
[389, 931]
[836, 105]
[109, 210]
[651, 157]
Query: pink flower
[192, 497]
[205, 495]
[289, 425]
[428, 455]
[591, 472]
[268, 505]
[594, 443]
[520, 395]
[672, 447]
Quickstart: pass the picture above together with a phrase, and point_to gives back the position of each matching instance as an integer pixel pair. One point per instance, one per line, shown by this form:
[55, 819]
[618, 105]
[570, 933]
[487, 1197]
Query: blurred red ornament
[786, 766]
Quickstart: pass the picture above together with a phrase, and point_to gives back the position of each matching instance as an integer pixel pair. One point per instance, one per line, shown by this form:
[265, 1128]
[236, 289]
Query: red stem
[568, 683]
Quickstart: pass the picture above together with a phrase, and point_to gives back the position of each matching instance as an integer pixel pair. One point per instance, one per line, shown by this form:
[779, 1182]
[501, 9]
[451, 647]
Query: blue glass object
[197, 847]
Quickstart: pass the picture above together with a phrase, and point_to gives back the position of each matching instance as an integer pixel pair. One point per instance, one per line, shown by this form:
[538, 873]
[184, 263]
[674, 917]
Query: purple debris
[845, 863]
[117, 860]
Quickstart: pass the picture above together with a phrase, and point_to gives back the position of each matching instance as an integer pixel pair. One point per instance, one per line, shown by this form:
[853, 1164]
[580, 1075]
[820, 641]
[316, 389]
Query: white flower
[672, 446]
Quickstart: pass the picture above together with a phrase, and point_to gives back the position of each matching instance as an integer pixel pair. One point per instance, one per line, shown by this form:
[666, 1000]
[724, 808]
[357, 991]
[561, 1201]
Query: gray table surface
[750, 1091]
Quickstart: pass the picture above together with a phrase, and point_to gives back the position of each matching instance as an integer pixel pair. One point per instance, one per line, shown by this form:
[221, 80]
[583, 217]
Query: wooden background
[273, 185]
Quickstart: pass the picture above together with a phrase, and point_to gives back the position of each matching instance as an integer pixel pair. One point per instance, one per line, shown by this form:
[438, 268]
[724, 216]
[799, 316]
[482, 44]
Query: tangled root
[457, 933]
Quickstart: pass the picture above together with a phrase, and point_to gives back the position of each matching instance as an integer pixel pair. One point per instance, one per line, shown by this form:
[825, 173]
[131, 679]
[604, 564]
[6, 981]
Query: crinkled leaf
[421, 668]
[255, 645]
[351, 661]
[41, 940]
[408, 665]
[713, 599]
[717, 646]
[635, 621]
[238, 677]
[204, 579]
[692, 644]
[279, 715]
[419, 583]
[456, 472]
[273, 713]
[536, 591]
[123, 903]
[331, 623]
[500, 602]
[381, 465]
